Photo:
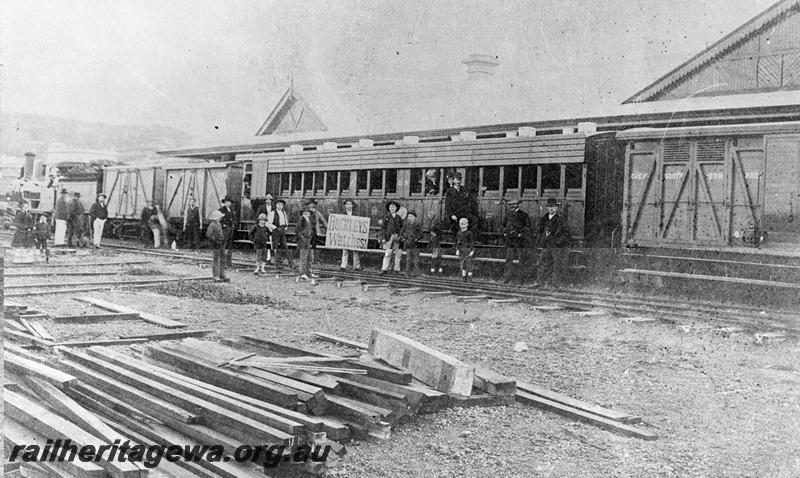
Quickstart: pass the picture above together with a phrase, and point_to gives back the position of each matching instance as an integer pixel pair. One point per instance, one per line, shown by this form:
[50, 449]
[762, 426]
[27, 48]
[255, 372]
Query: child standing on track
[259, 234]
[409, 236]
[435, 242]
[41, 232]
[465, 249]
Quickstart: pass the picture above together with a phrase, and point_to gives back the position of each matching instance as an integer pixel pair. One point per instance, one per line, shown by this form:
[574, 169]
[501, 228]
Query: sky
[216, 68]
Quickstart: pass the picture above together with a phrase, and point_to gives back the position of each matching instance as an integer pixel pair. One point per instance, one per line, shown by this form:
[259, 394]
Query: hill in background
[35, 133]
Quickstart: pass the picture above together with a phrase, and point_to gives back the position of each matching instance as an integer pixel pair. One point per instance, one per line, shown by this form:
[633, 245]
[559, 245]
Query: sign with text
[347, 232]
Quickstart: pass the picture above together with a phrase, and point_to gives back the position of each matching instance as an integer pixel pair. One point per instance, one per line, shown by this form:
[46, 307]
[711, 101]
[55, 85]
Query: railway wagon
[583, 171]
[207, 183]
[128, 188]
[733, 185]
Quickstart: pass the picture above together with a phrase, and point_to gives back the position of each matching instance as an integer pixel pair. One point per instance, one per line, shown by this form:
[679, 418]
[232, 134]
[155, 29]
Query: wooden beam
[171, 335]
[24, 367]
[105, 283]
[93, 318]
[135, 398]
[13, 324]
[494, 383]
[89, 343]
[49, 424]
[483, 400]
[24, 353]
[236, 382]
[40, 330]
[72, 411]
[27, 338]
[52, 265]
[441, 371]
[58, 274]
[272, 415]
[579, 404]
[29, 328]
[16, 434]
[340, 341]
[582, 416]
[154, 319]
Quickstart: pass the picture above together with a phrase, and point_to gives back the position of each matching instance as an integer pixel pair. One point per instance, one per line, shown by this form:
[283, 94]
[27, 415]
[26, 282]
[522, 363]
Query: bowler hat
[262, 217]
[513, 202]
[101, 195]
[312, 203]
[551, 202]
[396, 204]
[412, 213]
[305, 208]
[77, 195]
[227, 198]
[280, 201]
[350, 201]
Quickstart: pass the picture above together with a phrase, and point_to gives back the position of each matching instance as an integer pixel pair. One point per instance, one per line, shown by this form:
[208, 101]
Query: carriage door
[745, 186]
[675, 218]
[782, 189]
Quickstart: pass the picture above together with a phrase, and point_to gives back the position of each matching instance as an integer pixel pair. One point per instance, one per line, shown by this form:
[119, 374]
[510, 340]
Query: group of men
[72, 227]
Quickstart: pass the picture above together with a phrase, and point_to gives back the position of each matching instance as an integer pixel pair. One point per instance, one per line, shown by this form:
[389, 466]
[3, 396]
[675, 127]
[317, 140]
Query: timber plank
[171, 335]
[355, 409]
[582, 416]
[339, 340]
[89, 343]
[138, 399]
[16, 433]
[441, 371]
[24, 367]
[15, 325]
[210, 413]
[483, 400]
[494, 383]
[255, 409]
[227, 379]
[40, 330]
[53, 426]
[579, 404]
[153, 319]
[94, 318]
[29, 328]
[24, 353]
[74, 412]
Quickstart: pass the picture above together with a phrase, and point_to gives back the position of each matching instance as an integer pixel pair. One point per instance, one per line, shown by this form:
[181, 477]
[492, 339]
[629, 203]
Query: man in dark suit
[554, 236]
[227, 222]
[458, 204]
[390, 237]
[517, 232]
[192, 223]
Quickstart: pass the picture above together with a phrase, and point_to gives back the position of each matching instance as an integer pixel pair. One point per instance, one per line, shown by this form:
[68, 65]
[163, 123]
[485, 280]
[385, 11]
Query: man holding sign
[348, 232]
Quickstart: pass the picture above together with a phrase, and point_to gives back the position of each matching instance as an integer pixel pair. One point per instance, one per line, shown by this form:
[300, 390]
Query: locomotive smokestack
[27, 175]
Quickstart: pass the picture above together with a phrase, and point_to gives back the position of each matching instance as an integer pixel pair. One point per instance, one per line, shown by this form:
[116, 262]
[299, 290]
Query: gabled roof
[292, 114]
[715, 51]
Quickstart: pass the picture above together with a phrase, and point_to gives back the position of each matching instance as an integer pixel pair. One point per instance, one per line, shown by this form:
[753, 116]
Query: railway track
[680, 312]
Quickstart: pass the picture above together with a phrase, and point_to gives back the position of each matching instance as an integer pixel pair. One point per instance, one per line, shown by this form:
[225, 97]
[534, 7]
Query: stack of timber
[99, 395]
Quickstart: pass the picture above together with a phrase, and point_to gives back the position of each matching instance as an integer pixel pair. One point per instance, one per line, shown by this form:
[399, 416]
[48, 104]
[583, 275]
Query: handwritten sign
[347, 232]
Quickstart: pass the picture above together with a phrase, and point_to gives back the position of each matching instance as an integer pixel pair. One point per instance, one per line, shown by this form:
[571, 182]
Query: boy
[259, 234]
[465, 249]
[305, 233]
[41, 232]
[409, 236]
[217, 239]
[436, 242]
[390, 237]
[348, 209]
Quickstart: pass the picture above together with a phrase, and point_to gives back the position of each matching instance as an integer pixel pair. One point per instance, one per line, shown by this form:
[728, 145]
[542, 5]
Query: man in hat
[151, 232]
[192, 223]
[554, 236]
[409, 237]
[304, 232]
[98, 214]
[61, 214]
[227, 222]
[390, 237]
[278, 222]
[516, 230]
[76, 221]
[458, 204]
[216, 237]
[319, 228]
[348, 210]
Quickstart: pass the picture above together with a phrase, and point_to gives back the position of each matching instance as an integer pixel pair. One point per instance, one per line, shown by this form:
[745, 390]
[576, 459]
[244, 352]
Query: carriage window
[530, 176]
[511, 177]
[551, 176]
[330, 182]
[319, 182]
[345, 180]
[308, 181]
[391, 181]
[417, 181]
[574, 178]
[296, 186]
[361, 180]
[376, 180]
[491, 178]
[274, 184]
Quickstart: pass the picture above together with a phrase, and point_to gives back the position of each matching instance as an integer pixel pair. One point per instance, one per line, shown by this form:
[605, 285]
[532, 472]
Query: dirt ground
[721, 406]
